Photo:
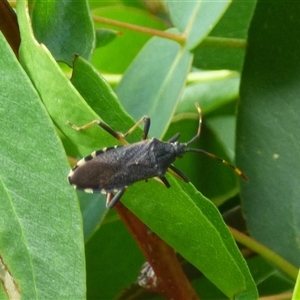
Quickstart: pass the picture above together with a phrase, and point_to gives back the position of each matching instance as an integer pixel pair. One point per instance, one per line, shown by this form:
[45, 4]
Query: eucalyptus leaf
[65, 27]
[268, 121]
[41, 237]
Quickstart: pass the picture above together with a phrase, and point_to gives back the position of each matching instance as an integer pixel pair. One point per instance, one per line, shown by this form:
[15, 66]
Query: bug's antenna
[225, 162]
[199, 126]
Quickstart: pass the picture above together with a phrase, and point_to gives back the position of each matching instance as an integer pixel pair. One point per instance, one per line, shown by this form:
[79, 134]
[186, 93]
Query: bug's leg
[112, 200]
[164, 181]
[146, 121]
[118, 136]
[146, 128]
[176, 172]
[174, 138]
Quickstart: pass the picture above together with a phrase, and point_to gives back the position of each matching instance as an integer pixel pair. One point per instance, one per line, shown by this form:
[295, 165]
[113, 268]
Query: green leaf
[65, 27]
[41, 237]
[196, 18]
[192, 225]
[268, 121]
[147, 89]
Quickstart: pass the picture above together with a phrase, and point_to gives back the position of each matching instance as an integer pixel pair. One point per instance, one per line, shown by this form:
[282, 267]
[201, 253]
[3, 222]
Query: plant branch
[179, 38]
[171, 281]
[9, 26]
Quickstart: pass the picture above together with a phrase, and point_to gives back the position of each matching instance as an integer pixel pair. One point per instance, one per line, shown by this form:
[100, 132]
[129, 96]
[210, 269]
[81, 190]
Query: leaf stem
[283, 296]
[223, 42]
[265, 252]
[179, 38]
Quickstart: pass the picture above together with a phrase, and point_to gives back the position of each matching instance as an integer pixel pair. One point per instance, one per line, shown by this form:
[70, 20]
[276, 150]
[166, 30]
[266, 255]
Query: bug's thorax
[165, 153]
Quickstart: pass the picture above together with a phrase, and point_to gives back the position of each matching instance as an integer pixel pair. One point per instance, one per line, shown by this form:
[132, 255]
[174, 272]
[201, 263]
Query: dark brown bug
[113, 169]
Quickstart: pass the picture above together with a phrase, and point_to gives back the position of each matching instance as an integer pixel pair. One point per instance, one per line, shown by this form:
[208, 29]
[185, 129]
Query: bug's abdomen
[93, 175]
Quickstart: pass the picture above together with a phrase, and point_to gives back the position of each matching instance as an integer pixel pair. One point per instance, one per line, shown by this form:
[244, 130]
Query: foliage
[193, 52]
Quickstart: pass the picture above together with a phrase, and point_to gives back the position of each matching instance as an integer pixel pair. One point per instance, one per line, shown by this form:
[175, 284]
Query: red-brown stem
[180, 38]
[172, 283]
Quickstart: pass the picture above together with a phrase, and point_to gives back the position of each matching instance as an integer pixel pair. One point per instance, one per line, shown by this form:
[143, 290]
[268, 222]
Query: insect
[112, 169]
